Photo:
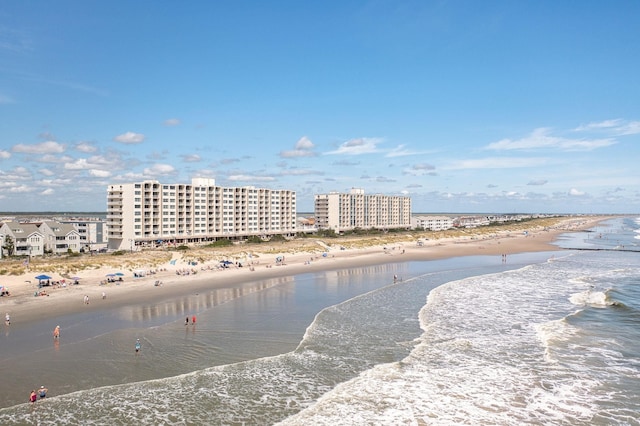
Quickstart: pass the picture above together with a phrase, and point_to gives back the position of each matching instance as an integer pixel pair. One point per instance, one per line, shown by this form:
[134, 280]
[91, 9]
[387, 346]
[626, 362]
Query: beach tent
[43, 277]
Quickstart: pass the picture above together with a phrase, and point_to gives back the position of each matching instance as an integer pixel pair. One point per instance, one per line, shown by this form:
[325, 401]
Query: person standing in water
[56, 332]
[7, 319]
[33, 397]
[138, 346]
[186, 322]
[193, 320]
[43, 392]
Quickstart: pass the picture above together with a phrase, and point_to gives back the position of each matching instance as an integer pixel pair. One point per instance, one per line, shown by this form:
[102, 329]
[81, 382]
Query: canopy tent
[43, 277]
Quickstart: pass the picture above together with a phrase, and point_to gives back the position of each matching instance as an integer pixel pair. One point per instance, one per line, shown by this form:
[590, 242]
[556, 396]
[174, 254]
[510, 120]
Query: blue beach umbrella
[119, 274]
[43, 277]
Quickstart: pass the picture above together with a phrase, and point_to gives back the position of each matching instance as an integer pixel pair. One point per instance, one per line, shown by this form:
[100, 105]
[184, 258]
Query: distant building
[60, 238]
[355, 209]
[149, 213]
[92, 231]
[432, 223]
[27, 238]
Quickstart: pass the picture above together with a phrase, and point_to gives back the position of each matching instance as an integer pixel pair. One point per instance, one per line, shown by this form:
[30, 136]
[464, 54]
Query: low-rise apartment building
[432, 223]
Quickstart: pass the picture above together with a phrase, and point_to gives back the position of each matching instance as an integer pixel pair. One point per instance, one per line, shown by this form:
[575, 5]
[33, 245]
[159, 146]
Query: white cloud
[606, 124]
[540, 138]
[631, 128]
[303, 148]
[537, 182]
[574, 192]
[401, 151]
[46, 172]
[357, 147]
[497, 163]
[251, 178]
[99, 173]
[4, 155]
[301, 172]
[421, 169]
[171, 122]
[21, 189]
[49, 147]
[616, 126]
[86, 147]
[130, 138]
[191, 158]
[79, 164]
[160, 170]
[47, 191]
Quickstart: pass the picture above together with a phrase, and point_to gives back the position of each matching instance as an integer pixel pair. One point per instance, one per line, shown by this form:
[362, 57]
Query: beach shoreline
[179, 277]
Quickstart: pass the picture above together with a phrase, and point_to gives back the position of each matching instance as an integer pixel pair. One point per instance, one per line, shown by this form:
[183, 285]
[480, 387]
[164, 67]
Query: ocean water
[547, 338]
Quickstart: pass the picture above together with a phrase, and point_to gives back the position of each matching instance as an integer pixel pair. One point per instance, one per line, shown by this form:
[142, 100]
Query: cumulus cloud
[171, 122]
[303, 148]
[130, 138]
[86, 147]
[357, 146]
[160, 170]
[79, 164]
[575, 193]
[99, 173]
[49, 147]
[541, 138]
[4, 155]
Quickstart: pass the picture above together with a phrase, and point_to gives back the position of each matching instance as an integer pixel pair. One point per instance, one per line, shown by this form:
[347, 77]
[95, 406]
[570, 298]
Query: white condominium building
[347, 211]
[148, 213]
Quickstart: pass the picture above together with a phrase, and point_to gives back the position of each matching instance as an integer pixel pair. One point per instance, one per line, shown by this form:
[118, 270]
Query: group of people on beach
[42, 393]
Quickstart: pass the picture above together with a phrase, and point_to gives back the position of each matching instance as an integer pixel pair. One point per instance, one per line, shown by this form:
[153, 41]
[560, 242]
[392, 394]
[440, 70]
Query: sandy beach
[178, 275]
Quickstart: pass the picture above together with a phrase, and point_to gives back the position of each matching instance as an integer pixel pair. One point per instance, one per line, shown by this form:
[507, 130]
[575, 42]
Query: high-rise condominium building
[347, 211]
[148, 213]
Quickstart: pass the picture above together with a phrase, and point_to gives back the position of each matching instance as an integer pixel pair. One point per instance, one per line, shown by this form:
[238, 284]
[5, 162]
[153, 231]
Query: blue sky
[465, 106]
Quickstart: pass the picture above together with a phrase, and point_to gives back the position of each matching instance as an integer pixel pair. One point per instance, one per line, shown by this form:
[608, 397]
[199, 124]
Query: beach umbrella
[76, 278]
[43, 277]
[119, 274]
[110, 275]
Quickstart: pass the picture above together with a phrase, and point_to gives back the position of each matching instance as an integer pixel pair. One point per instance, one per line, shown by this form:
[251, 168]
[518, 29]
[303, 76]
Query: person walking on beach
[43, 392]
[7, 318]
[56, 332]
[33, 397]
[138, 346]
[86, 299]
[186, 322]
[193, 320]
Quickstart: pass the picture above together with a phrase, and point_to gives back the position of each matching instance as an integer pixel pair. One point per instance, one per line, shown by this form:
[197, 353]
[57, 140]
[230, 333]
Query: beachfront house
[28, 240]
[60, 238]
